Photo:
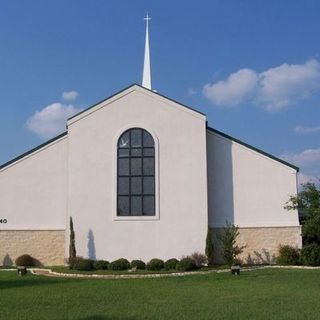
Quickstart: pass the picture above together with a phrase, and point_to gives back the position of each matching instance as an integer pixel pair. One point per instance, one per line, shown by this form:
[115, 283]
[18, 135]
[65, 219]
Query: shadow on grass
[31, 281]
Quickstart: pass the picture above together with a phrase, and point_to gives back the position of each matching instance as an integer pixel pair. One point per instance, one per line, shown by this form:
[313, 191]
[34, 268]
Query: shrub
[230, 248]
[186, 264]
[310, 254]
[288, 255]
[199, 259]
[73, 261]
[209, 247]
[171, 264]
[101, 265]
[120, 264]
[72, 244]
[82, 264]
[138, 264]
[25, 260]
[155, 264]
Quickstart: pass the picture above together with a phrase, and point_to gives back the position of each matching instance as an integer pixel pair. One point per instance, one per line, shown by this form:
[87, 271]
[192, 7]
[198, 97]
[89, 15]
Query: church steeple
[146, 78]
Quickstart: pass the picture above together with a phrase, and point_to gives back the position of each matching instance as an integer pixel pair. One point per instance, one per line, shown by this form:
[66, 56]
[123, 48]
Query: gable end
[253, 148]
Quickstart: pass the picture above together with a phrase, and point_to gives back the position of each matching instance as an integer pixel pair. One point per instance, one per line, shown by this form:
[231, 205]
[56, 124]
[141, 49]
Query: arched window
[136, 174]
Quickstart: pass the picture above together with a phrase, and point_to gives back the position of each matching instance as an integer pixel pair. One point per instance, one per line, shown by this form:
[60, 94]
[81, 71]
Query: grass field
[260, 294]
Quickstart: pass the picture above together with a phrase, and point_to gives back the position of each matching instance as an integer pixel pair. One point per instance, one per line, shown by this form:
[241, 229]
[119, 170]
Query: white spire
[146, 79]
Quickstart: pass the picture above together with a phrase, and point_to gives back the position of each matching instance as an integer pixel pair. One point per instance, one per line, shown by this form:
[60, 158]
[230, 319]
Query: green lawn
[260, 294]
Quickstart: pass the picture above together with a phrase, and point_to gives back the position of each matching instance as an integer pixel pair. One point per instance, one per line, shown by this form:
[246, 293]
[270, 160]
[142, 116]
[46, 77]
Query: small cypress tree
[230, 247]
[209, 247]
[72, 244]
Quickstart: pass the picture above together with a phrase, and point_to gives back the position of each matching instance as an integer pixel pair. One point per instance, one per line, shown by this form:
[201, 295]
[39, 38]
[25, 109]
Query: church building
[143, 177]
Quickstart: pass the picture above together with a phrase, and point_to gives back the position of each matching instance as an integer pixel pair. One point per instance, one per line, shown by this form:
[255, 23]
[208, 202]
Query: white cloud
[309, 163]
[287, 84]
[306, 130]
[232, 91]
[70, 95]
[272, 89]
[191, 92]
[51, 120]
[304, 158]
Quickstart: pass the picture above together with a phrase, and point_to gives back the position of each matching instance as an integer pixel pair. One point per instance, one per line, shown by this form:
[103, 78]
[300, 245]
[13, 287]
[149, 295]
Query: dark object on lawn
[22, 271]
[25, 260]
[235, 270]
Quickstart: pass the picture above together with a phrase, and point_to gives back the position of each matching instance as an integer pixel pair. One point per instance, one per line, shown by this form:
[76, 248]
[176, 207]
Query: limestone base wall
[47, 246]
[261, 243]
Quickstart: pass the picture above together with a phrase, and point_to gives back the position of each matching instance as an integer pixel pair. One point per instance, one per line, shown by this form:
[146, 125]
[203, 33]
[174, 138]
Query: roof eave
[253, 148]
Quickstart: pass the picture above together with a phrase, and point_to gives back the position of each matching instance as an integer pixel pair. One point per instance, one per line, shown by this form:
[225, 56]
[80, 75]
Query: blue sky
[252, 66]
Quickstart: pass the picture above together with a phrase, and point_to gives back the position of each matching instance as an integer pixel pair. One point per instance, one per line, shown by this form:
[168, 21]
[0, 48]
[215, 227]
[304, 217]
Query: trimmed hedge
[171, 264]
[138, 264]
[25, 260]
[82, 264]
[288, 255]
[155, 264]
[120, 264]
[101, 264]
[186, 264]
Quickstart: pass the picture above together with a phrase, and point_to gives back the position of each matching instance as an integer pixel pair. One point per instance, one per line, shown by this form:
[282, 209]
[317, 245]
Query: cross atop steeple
[147, 18]
[146, 78]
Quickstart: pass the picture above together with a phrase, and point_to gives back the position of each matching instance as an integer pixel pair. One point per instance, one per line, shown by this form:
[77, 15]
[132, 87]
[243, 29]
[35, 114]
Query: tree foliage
[230, 248]
[72, 243]
[307, 202]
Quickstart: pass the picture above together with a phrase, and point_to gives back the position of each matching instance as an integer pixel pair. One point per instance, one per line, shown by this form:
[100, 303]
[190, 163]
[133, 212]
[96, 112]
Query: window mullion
[130, 173]
[142, 179]
[145, 138]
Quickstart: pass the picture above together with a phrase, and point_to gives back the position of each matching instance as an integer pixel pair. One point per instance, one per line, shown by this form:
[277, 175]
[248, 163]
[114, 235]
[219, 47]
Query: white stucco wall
[181, 226]
[246, 187]
[33, 190]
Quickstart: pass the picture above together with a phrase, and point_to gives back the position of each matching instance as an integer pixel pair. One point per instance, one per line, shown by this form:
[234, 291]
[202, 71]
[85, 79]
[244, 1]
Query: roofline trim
[253, 148]
[23, 155]
[123, 90]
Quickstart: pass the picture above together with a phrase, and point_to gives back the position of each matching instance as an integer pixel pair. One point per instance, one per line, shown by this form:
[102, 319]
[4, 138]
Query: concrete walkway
[50, 273]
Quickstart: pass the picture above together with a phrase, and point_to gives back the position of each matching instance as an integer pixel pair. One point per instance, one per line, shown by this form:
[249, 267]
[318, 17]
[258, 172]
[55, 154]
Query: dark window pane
[136, 185]
[147, 139]
[148, 152]
[136, 138]
[148, 166]
[123, 169]
[135, 163]
[148, 185]
[124, 152]
[148, 206]
[136, 166]
[123, 206]
[136, 152]
[123, 186]
[136, 206]
[124, 140]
